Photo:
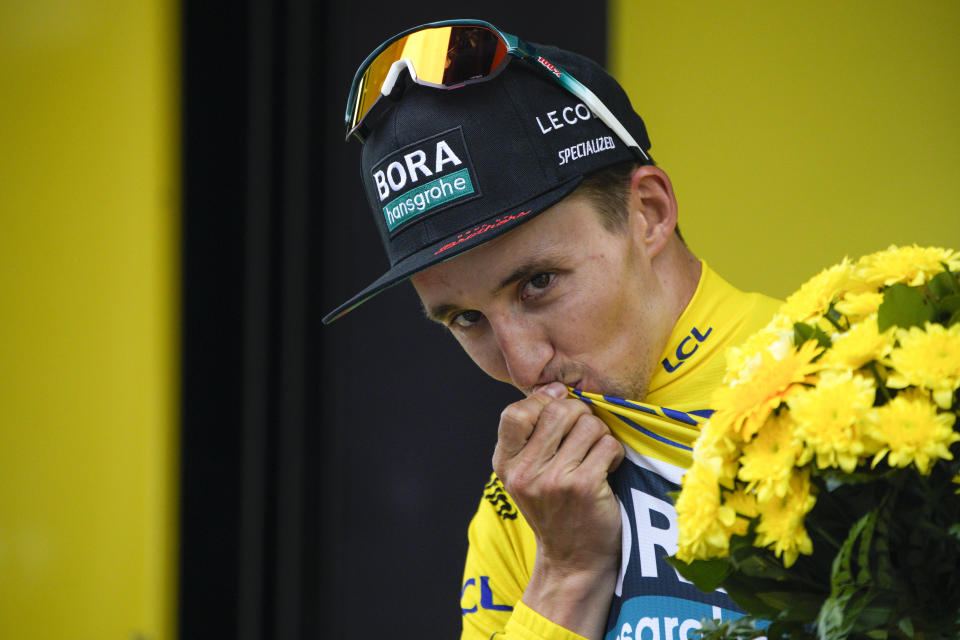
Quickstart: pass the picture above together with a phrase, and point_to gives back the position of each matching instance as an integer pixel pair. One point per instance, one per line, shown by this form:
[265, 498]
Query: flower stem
[829, 316]
[876, 376]
[829, 538]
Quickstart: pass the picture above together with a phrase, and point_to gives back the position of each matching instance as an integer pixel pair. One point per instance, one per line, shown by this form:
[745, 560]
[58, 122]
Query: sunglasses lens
[445, 57]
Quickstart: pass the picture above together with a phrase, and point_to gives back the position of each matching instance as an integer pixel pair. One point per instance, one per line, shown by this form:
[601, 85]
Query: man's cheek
[485, 353]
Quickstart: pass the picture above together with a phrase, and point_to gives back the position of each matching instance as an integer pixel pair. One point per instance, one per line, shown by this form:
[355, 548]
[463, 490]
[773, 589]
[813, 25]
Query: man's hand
[553, 456]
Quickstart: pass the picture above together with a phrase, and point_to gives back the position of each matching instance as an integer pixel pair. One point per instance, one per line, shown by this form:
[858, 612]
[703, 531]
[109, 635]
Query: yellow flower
[741, 359]
[911, 265]
[746, 403]
[743, 501]
[859, 304]
[814, 297]
[928, 358]
[716, 449]
[768, 460]
[830, 419]
[745, 504]
[910, 430]
[781, 520]
[859, 345]
[703, 524]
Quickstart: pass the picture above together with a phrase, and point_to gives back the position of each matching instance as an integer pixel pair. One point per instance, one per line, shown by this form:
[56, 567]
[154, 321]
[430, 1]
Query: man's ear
[653, 208]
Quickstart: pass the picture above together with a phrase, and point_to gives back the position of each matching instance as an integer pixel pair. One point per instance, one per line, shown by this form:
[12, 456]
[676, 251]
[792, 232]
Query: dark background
[328, 473]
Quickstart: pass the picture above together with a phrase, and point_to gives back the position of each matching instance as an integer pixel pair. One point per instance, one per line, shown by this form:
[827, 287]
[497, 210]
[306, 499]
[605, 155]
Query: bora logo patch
[424, 176]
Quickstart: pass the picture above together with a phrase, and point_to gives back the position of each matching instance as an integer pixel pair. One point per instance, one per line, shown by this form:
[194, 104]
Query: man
[534, 225]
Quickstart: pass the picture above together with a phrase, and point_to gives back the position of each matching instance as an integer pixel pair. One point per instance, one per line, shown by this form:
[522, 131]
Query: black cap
[447, 170]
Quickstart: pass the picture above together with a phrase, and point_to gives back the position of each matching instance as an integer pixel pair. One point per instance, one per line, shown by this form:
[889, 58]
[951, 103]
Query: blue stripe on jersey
[653, 435]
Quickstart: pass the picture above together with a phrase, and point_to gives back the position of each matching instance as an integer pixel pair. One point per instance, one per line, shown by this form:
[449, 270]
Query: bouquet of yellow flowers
[823, 491]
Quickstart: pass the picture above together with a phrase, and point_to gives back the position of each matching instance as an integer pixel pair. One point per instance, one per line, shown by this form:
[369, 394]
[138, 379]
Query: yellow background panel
[797, 133]
[88, 308]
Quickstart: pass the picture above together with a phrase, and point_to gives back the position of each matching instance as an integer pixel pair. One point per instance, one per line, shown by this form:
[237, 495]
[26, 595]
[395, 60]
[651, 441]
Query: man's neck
[679, 273]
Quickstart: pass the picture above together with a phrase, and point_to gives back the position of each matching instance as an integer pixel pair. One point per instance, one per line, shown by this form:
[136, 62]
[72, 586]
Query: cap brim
[453, 246]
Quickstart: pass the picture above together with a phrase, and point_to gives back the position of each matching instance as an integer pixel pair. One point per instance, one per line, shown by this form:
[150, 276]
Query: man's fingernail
[555, 390]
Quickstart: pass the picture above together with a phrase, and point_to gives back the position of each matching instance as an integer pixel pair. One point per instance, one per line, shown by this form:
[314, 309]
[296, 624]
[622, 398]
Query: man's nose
[525, 348]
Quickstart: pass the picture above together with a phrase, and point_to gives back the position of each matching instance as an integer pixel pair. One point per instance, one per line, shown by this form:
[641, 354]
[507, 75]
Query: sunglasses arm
[394, 74]
[597, 107]
[390, 92]
[532, 56]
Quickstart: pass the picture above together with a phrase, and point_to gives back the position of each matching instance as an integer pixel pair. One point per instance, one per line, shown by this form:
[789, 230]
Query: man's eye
[541, 280]
[536, 284]
[467, 318]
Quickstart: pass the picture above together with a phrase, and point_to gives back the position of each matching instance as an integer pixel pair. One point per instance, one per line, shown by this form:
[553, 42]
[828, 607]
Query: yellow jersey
[650, 599]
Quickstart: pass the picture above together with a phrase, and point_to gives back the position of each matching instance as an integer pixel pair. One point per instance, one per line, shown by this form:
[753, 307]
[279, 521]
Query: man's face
[559, 298]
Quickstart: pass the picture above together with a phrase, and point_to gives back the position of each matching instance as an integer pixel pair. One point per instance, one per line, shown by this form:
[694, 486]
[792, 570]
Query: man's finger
[606, 454]
[586, 431]
[519, 419]
[517, 423]
[556, 421]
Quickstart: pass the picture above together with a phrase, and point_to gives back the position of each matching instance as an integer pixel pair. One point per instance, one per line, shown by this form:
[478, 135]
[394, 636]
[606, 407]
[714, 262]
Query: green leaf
[780, 630]
[744, 544]
[776, 599]
[905, 307]
[743, 591]
[954, 319]
[835, 479]
[803, 332]
[739, 629]
[758, 564]
[840, 609]
[863, 557]
[832, 623]
[794, 606]
[875, 616]
[906, 625]
[943, 284]
[707, 575]
[949, 304]
[884, 573]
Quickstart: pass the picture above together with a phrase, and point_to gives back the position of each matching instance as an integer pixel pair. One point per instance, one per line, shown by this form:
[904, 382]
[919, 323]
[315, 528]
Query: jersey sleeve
[499, 564]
